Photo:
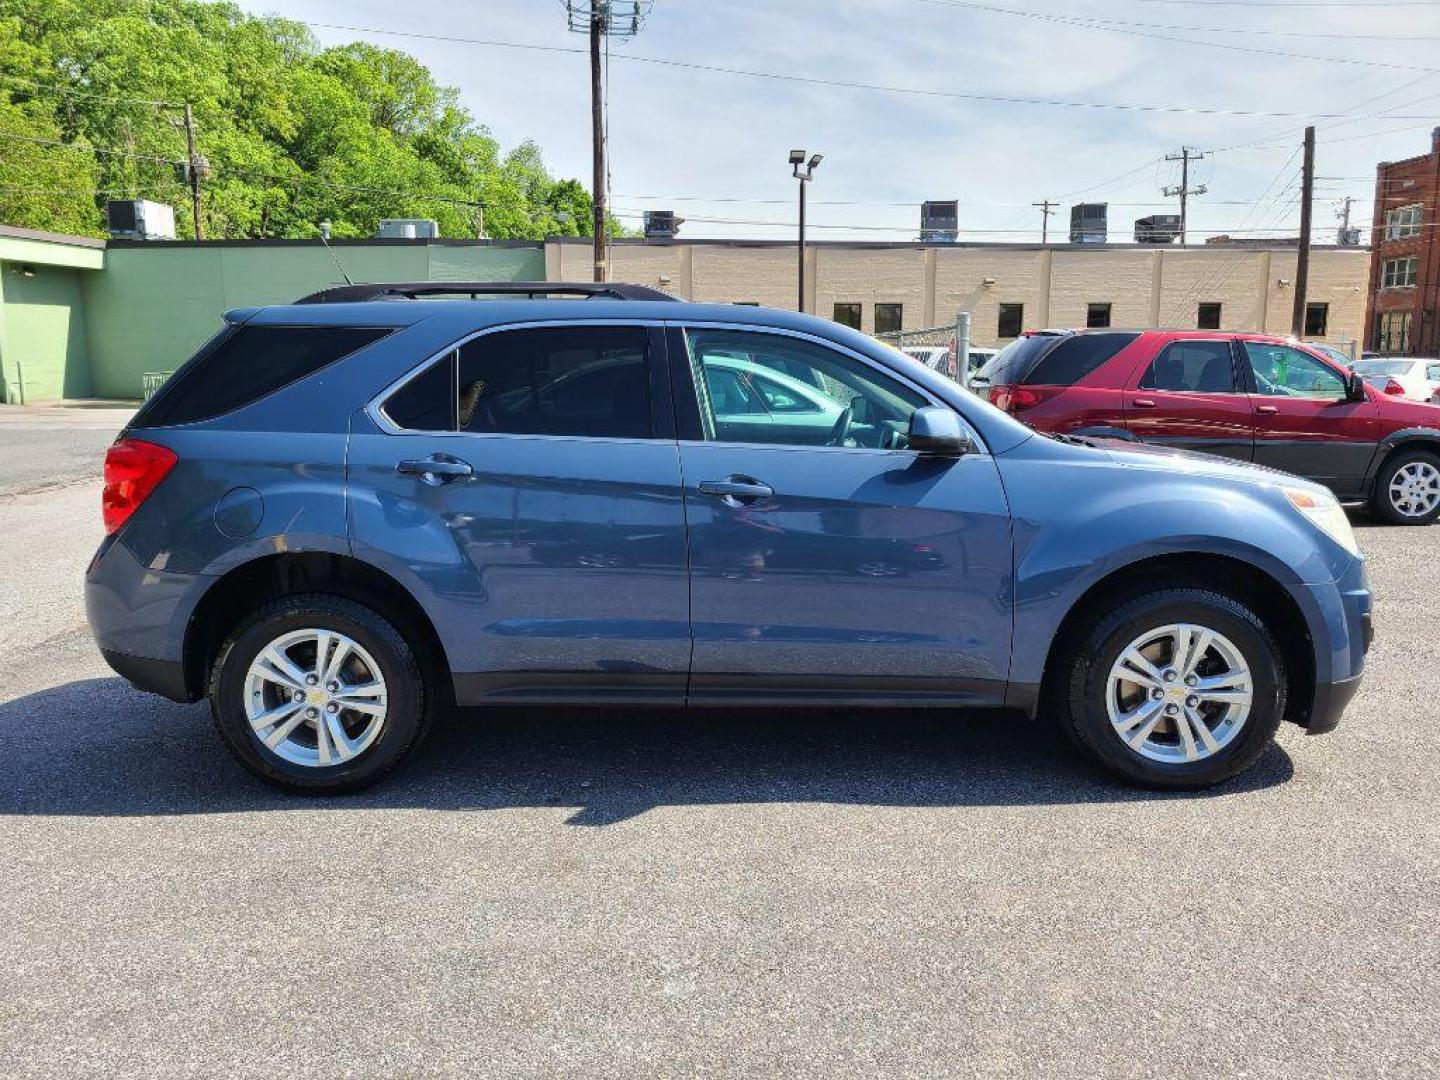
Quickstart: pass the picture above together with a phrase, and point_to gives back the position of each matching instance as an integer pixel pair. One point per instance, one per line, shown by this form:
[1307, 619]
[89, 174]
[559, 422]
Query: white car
[1418, 377]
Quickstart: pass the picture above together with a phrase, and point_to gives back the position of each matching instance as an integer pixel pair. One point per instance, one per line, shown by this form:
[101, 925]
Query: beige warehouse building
[1006, 288]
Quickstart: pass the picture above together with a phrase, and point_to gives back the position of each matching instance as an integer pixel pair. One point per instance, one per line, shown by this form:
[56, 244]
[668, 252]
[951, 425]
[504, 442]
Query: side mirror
[936, 430]
[1355, 387]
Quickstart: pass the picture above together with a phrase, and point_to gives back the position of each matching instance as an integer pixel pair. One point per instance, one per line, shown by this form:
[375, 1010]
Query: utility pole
[192, 161]
[1046, 209]
[599, 14]
[601, 20]
[1346, 238]
[1185, 156]
[1302, 263]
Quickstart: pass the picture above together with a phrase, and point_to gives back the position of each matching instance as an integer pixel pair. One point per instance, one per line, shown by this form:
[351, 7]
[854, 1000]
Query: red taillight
[133, 469]
[1014, 399]
[1393, 387]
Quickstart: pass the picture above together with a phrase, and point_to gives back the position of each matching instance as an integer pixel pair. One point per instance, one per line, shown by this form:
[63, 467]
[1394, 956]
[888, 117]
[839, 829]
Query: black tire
[406, 716]
[1095, 649]
[1381, 505]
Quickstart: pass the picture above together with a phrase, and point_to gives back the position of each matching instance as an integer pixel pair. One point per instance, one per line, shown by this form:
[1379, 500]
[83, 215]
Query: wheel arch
[246, 587]
[1226, 574]
[1396, 443]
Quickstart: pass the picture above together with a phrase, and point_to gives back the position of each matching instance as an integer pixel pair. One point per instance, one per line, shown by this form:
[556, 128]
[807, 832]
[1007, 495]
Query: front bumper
[1329, 703]
[1342, 628]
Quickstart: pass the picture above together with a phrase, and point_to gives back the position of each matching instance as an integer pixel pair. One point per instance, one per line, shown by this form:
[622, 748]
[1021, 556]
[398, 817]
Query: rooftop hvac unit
[662, 224]
[1087, 223]
[940, 222]
[408, 229]
[1157, 229]
[139, 219]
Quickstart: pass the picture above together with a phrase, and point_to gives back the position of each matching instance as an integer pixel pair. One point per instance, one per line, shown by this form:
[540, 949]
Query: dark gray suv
[346, 513]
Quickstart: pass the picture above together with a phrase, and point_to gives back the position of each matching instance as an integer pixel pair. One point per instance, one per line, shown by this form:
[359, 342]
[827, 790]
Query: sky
[713, 145]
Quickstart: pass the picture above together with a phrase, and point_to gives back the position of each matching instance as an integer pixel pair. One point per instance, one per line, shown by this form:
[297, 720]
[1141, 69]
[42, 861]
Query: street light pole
[797, 164]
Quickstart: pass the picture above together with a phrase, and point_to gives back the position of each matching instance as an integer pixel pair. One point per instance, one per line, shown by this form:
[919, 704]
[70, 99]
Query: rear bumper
[163, 677]
[138, 616]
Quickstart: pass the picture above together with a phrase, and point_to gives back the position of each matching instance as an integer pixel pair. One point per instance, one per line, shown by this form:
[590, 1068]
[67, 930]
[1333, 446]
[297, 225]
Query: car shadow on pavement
[98, 747]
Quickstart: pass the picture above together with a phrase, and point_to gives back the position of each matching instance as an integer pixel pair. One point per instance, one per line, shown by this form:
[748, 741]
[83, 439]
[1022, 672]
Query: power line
[1101, 22]
[51, 88]
[1119, 27]
[1297, 3]
[843, 84]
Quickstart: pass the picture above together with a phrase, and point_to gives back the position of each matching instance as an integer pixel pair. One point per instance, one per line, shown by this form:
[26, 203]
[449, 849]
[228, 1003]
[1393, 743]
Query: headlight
[1325, 511]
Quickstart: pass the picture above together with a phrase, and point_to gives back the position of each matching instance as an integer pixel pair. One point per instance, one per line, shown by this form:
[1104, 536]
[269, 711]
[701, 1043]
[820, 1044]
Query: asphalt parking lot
[610, 893]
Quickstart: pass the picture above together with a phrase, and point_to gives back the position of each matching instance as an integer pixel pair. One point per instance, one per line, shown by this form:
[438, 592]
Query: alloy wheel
[1415, 489]
[1179, 693]
[315, 697]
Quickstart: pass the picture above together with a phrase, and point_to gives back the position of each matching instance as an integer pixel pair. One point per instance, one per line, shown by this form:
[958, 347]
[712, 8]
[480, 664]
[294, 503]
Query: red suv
[1254, 397]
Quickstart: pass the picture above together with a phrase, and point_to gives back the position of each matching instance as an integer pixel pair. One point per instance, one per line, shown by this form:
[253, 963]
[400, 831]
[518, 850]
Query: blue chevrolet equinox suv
[346, 514]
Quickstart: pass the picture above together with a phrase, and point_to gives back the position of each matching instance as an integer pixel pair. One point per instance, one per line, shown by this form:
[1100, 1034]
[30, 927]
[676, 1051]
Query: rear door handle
[737, 490]
[1143, 403]
[436, 469]
[1268, 410]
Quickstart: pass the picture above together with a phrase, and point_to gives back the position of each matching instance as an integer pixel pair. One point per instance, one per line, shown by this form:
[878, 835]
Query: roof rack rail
[414, 290]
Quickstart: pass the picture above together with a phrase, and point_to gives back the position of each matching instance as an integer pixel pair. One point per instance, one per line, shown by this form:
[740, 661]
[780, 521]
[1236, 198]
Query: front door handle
[436, 469]
[1268, 410]
[737, 490]
[1144, 403]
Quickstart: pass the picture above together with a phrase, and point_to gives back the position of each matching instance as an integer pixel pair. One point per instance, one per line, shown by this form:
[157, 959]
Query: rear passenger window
[242, 367]
[426, 402]
[1199, 367]
[1075, 357]
[572, 380]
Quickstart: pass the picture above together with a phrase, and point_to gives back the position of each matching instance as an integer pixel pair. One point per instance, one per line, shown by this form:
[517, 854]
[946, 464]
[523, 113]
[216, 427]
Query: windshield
[1383, 367]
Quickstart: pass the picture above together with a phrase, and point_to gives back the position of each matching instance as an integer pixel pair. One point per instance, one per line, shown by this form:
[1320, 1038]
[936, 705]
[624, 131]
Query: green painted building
[86, 318]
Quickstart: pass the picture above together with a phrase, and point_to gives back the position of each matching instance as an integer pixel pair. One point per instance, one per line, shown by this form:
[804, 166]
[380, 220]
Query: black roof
[415, 290]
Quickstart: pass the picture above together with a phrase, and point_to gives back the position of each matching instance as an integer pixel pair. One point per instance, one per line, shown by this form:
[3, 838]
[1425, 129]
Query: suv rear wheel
[1176, 688]
[318, 694]
[1407, 491]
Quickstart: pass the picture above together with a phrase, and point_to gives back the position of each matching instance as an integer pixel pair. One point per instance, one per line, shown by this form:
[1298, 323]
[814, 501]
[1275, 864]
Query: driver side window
[1281, 371]
[768, 388]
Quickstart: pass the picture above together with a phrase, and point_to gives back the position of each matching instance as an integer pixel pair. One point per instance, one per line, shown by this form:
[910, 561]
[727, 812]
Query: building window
[1402, 222]
[1317, 318]
[887, 318]
[1208, 317]
[1097, 316]
[1399, 273]
[848, 315]
[1011, 317]
[1392, 331]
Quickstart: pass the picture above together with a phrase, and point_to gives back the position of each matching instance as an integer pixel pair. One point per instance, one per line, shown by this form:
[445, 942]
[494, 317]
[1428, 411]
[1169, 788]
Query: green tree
[295, 134]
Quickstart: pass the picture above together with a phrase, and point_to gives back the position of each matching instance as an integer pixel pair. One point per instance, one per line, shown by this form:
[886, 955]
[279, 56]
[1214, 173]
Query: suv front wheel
[1177, 688]
[317, 694]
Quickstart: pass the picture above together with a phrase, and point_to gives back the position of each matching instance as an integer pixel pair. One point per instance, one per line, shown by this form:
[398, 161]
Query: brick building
[1402, 315]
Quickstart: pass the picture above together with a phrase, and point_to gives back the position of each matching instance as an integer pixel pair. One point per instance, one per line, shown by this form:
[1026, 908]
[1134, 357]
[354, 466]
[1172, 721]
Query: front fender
[1079, 519]
[1428, 438]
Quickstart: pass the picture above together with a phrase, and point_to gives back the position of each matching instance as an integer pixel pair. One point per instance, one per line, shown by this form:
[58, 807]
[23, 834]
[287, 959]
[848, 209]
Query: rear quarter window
[241, 367]
[1075, 357]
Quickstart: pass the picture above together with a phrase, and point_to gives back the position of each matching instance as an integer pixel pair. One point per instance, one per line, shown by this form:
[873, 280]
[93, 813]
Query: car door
[526, 486]
[1191, 396]
[846, 566]
[1305, 420]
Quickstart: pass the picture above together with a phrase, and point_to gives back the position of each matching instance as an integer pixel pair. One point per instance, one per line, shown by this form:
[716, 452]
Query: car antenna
[325, 239]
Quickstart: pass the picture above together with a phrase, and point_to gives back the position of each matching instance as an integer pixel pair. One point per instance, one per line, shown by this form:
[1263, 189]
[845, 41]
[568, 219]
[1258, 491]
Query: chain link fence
[934, 346]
